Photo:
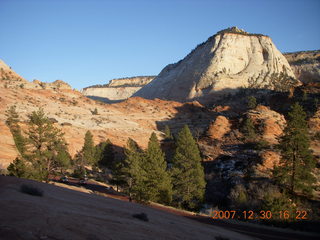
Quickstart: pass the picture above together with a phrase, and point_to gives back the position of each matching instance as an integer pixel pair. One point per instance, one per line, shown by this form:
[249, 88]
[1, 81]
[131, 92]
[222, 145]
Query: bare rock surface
[305, 65]
[219, 128]
[227, 61]
[270, 123]
[67, 214]
[269, 159]
[118, 89]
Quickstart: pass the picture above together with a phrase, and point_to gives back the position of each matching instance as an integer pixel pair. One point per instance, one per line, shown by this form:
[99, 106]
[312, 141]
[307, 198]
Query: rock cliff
[117, 89]
[227, 61]
[305, 65]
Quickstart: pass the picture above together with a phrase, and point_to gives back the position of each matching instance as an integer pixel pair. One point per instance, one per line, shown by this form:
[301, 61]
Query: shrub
[141, 216]
[251, 102]
[31, 190]
[238, 196]
[95, 112]
[316, 136]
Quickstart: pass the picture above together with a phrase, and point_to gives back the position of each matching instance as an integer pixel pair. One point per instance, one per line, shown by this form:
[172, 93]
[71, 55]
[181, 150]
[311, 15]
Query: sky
[87, 42]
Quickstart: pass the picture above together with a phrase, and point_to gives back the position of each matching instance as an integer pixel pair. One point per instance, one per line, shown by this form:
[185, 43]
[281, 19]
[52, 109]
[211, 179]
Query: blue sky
[90, 42]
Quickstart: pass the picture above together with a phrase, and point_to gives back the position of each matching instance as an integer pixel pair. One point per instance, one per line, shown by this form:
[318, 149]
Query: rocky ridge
[227, 61]
[117, 89]
[74, 114]
[305, 65]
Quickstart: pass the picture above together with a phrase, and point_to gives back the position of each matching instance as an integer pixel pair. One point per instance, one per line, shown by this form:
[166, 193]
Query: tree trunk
[293, 172]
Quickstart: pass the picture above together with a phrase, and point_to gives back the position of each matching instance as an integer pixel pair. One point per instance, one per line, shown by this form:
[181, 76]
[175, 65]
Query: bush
[238, 196]
[31, 190]
[141, 216]
[316, 136]
[79, 172]
[251, 102]
[95, 112]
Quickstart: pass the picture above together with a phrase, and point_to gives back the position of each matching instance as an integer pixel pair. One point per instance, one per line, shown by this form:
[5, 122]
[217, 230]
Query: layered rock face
[305, 65]
[117, 89]
[227, 61]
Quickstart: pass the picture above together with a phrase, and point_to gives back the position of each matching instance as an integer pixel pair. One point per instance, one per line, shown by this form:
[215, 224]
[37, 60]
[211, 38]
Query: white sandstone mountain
[117, 89]
[229, 60]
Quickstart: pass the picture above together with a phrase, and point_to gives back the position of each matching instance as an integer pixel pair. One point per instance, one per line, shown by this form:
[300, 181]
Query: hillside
[117, 89]
[305, 65]
[228, 61]
[136, 118]
[66, 214]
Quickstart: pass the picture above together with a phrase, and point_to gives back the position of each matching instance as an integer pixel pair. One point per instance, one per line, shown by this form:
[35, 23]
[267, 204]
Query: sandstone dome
[227, 61]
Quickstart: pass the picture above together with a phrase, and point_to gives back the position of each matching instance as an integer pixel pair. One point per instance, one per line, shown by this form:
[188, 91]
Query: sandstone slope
[117, 89]
[65, 214]
[305, 65]
[72, 112]
[229, 60]
[10, 79]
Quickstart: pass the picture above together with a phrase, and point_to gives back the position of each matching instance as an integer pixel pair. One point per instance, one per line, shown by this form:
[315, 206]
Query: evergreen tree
[157, 183]
[187, 171]
[104, 154]
[44, 145]
[133, 171]
[297, 163]
[88, 149]
[63, 159]
[251, 102]
[13, 124]
[248, 130]
[167, 133]
[19, 168]
[118, 174]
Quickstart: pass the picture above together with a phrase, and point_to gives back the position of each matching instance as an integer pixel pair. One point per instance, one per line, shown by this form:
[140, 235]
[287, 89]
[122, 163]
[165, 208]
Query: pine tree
[19, 168]
[62, 159]
[133, 171]
[167, 133]
[104, 154]
[248, 130]
[88, 149]
[44, 145]
[157, 183]
[187, 171]
[13, 124]
[118, 174]
[297, 163]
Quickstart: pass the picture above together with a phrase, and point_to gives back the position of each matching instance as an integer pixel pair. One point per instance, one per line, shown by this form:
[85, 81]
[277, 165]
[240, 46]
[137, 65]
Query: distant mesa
[117, 89]
[227, 61]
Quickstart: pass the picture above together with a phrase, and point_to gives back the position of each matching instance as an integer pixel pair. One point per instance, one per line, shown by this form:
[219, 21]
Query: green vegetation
[45, 142]
[95, 112]
[19, 168]
[13, 124]
[88, 150]
[167, 133]
[132, 170]
[297, 163]
[187, 172]
[42, 151]
[157, 182]
[248, 130]
[104, 155]
[251, 102]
